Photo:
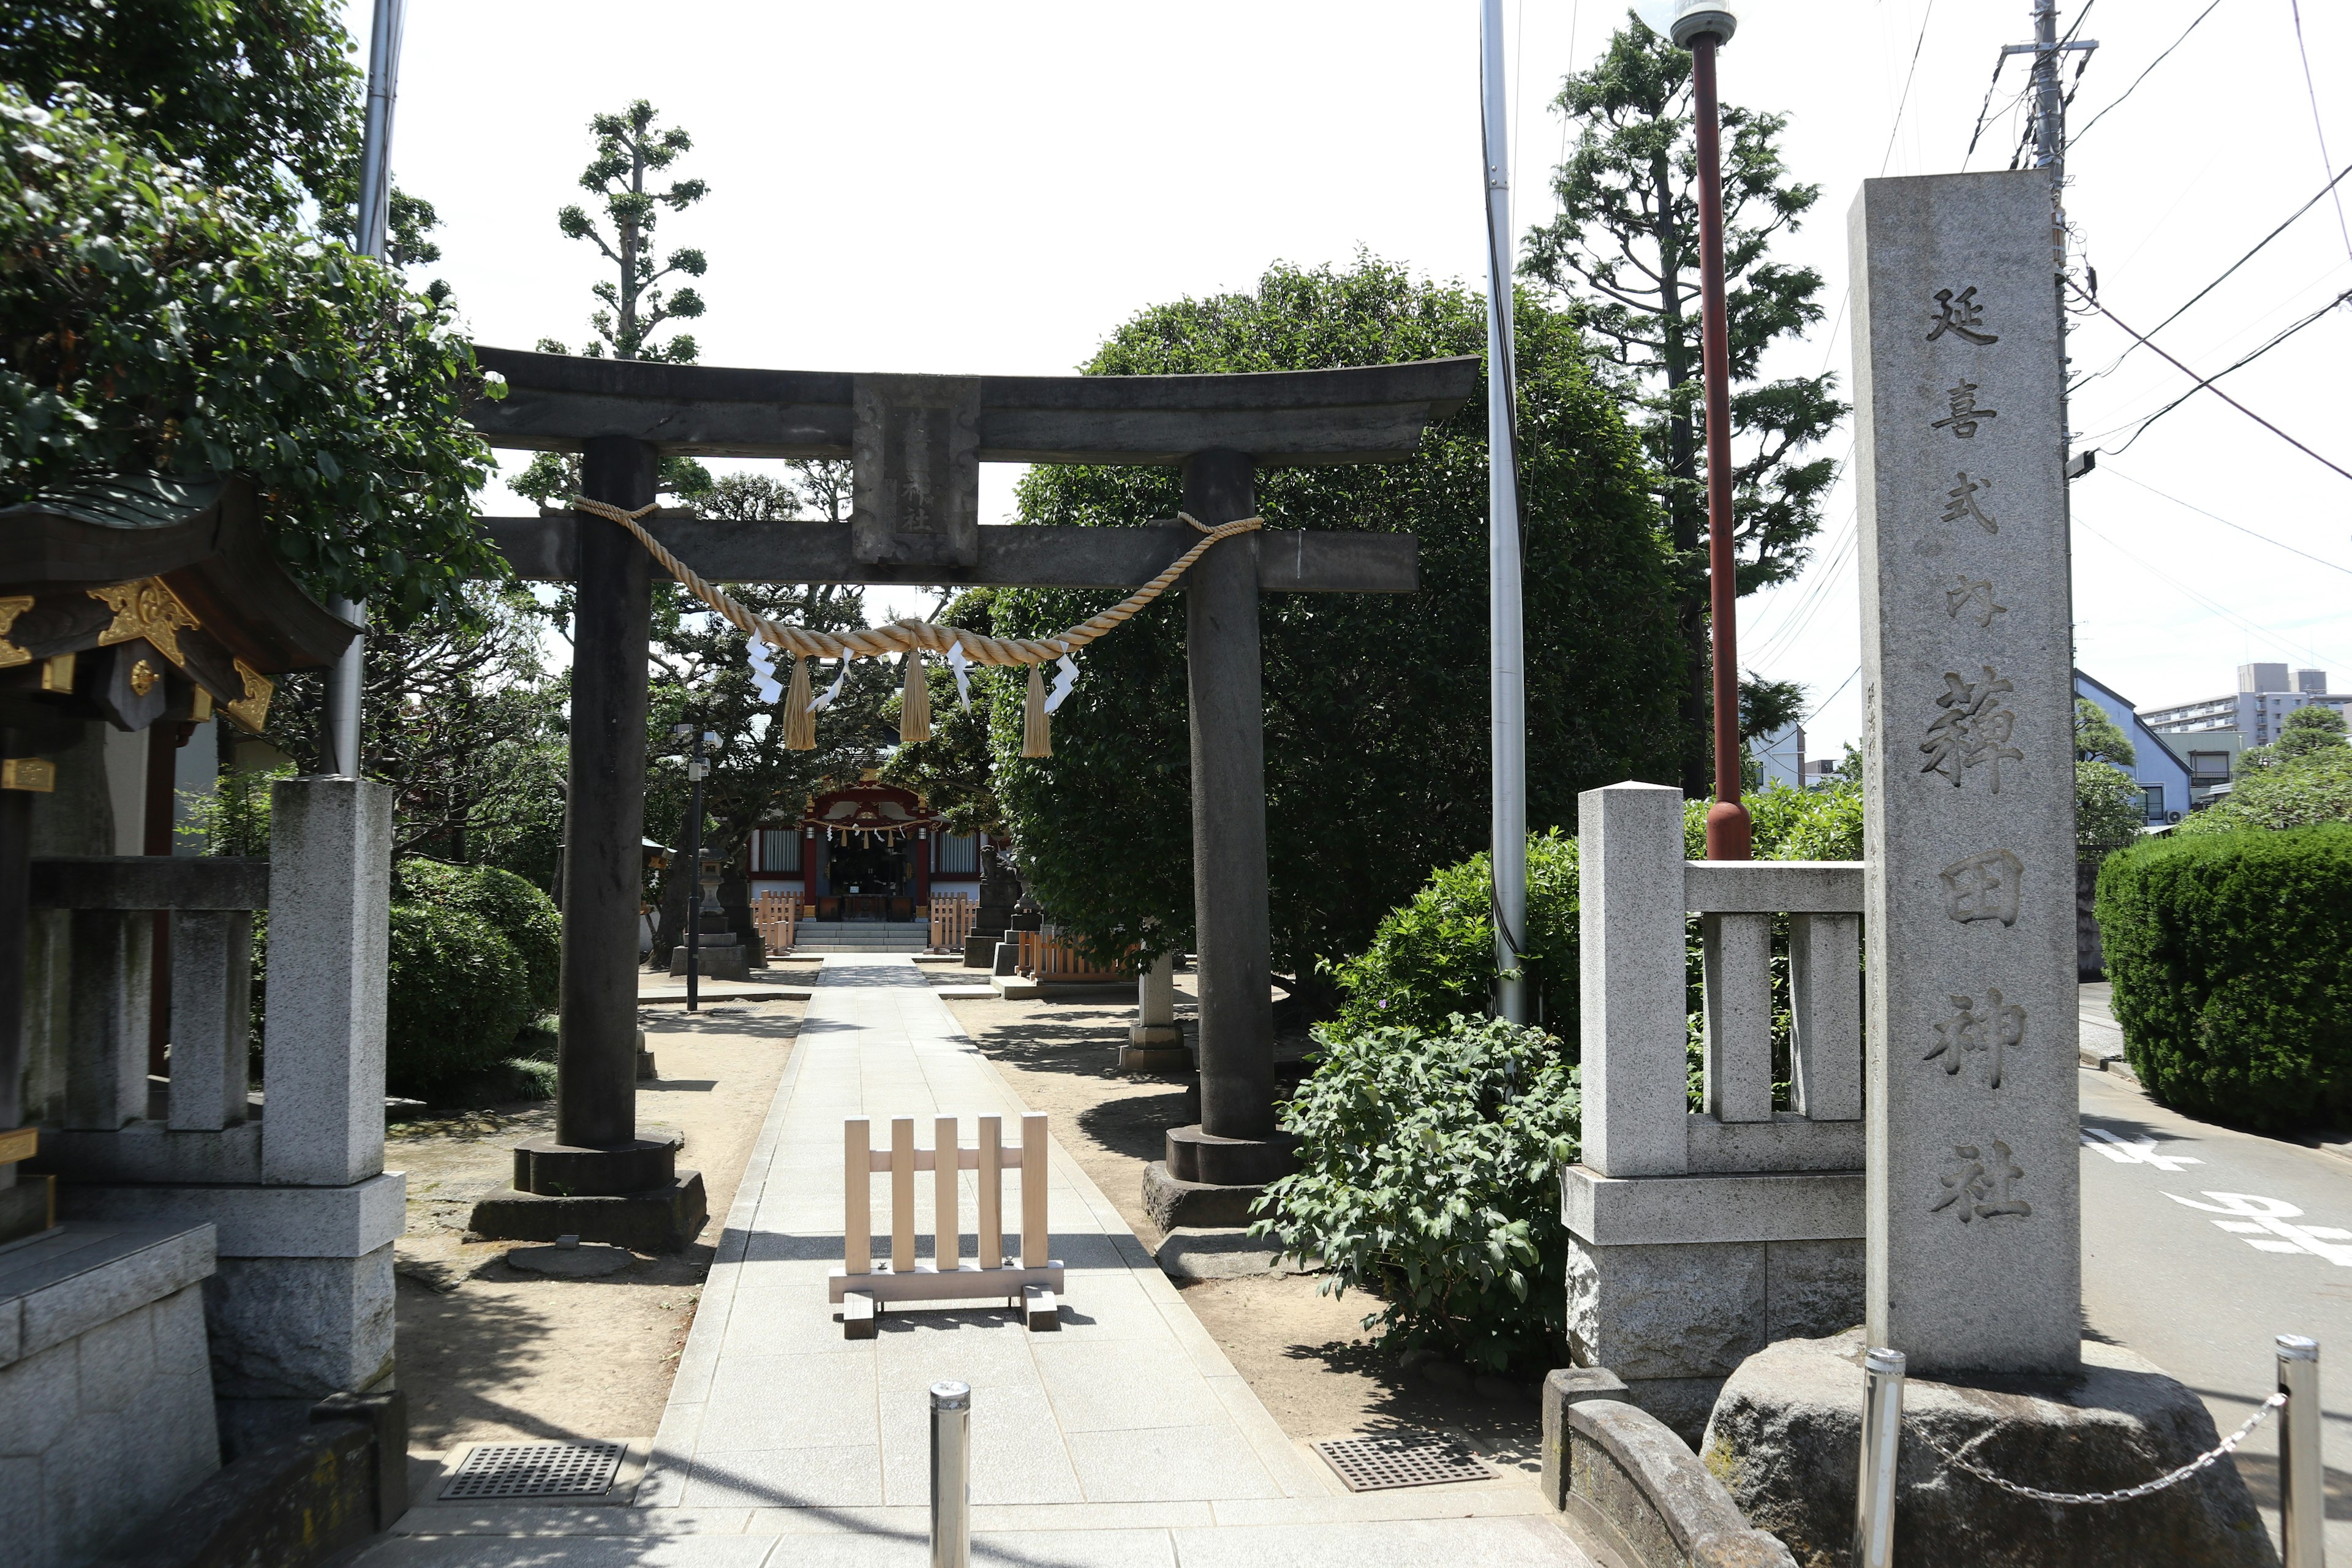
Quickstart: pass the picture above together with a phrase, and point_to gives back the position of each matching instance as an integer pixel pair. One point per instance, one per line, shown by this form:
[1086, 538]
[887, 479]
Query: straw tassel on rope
[915, 702]
[800, 724]
[1036, 742]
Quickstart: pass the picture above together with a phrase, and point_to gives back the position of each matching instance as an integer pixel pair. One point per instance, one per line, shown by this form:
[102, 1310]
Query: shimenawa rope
[910, 635]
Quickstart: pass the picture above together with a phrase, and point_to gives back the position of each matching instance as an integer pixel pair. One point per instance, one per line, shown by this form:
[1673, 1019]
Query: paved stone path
[1126, 1438]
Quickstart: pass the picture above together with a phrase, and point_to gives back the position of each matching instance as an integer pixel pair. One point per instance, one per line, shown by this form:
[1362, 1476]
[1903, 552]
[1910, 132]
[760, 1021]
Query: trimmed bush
[1435, 956]
[2231, 958]
[517, 910]
[459, 997]
[1430, 1176]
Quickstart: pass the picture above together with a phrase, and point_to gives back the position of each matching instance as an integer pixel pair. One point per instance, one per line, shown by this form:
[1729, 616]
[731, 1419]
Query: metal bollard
[951, 1475]
[2302, 1508]
[1882, 1440]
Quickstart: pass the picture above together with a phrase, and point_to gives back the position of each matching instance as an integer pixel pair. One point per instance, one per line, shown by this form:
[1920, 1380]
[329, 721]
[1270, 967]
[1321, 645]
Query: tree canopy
[1624, 252]
[2098, 738]
[629, 148]
[1376, 705]
[151, 321]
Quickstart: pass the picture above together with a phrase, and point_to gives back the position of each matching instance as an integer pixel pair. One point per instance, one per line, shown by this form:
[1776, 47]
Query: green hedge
[459, 997]
[1429, 1165]
[2231, 958]
[517, 910]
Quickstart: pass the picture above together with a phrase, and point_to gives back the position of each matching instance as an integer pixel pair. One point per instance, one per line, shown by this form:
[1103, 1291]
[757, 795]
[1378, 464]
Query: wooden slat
[1035, 1246]
[947, 1220]
[545, 549]
[902, 1193]
[990, 1156]
[857, 1186]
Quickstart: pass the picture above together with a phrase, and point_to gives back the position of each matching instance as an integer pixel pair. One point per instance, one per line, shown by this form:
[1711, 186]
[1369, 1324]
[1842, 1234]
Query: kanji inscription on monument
[916, 446]
[1972, 1213]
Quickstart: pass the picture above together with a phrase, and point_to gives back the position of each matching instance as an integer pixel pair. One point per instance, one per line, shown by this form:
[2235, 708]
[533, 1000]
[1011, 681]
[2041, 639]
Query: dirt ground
[489, 1353]
[1307, 1354]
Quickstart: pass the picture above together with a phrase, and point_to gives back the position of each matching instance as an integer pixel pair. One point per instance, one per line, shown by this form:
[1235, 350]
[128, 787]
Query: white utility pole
[371, 227]
[1507, 682]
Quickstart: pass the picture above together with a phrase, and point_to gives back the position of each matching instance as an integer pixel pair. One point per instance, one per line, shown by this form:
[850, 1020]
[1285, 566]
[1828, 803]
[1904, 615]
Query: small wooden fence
[1052, 959]
[861, 1285]
[777, 917]
[951, 918]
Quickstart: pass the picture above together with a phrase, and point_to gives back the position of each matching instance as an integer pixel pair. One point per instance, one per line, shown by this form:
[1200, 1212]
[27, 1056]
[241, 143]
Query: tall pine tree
[1624, 250]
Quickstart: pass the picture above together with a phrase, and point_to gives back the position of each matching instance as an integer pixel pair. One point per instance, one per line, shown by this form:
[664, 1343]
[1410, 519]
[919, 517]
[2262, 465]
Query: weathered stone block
[1812, 1289]
[117, 1362]
[1640, 1490]
[1785, 1440]
[1562, 1387]
[1172, 1202]
[261, 1222]
[1808, 1205]
[1633, 1018]
[80, 1276]
[300, 1327]
[1668, 1311]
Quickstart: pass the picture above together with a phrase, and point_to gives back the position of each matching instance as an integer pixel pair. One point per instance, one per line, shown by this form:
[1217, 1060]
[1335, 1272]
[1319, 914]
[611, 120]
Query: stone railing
[1698, 1236]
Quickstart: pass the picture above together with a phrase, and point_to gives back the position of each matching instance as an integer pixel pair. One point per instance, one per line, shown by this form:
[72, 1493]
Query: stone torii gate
[917, 442]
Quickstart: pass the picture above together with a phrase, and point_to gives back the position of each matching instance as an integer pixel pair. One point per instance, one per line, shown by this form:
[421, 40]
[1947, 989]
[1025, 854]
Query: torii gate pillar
[1235, 1144]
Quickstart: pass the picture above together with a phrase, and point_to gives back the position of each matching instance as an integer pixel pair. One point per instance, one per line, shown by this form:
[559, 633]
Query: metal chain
[2212, 1455]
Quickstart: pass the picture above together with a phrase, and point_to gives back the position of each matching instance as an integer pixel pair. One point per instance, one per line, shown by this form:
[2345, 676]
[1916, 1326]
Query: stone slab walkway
[1124, 1438]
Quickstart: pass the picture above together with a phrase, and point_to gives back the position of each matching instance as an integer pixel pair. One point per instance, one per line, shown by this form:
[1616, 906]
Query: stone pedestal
[1786, 1441]
[1154, 1042]
[719, 956]
[632, 1194]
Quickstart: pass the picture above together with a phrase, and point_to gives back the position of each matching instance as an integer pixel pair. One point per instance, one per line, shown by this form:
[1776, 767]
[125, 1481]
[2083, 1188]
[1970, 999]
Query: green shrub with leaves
[1430, 1164]
[1435, 955]
[459, 997]
[153, 321]
[518, 912]
[2231, 958]
[2298, 791]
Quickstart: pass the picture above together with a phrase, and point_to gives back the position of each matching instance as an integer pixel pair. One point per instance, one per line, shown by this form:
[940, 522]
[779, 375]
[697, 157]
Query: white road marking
[2140, 1153]
[2269, 1216]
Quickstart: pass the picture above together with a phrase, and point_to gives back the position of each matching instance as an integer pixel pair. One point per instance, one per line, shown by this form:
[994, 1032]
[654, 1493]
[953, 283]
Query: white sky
[923, 186]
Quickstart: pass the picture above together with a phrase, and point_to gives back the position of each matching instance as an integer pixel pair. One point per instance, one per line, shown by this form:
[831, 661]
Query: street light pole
[1507, 659]
[1702, 28]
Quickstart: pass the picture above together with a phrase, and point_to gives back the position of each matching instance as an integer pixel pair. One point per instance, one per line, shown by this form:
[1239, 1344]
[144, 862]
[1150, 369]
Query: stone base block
[561, 1170]
[660, 1220]
[1172, 1202]
[1562, 1387]
[1155, 1035]
[712, 963]
[1675, 1320]
[1189, 1253]
[1636, 1494]
[299, 1328]
[1195, 1154]
[1154, 1058]
[1785, 1440]
[980, 949]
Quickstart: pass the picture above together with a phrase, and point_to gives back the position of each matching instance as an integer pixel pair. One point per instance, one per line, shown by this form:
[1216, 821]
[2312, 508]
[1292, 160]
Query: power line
[2240, 364]
[1831, 697]
[2077, 137]
[2226, 273]
[2208, 385]
[2213, 606]
[2217, 517]
[2326, 163]
[1894, 129]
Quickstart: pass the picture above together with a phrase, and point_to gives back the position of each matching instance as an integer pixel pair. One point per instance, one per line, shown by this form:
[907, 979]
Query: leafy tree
[954, 771]
[2298, 793]
[151, 321]
[259, 94]
[1376, 706]
[1624, 249]
[2307, 731]
[2110, 809]
[460, 715]
[702, 676]
[2098, 738]
[628, 148]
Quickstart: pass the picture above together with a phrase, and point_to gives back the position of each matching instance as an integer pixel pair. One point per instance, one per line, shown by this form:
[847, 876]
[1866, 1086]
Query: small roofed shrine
[863, 851]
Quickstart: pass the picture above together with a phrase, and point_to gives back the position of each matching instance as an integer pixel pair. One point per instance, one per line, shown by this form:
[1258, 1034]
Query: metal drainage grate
[535, 1469]
[1401, 1459]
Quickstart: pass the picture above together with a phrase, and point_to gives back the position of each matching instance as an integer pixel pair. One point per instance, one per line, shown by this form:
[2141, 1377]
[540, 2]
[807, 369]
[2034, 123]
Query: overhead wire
[2318, 128]
[2074, 139]
[2217, 517]
[2211, 605]
[2244, 361]
[2206, 383]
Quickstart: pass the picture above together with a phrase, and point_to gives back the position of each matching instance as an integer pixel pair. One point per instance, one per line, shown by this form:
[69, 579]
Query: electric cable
[2239, 364]
[2075, 140]
[2213, 606]
[1894, 129]
[2318, 128]
[2207, 384]
[2217, 517]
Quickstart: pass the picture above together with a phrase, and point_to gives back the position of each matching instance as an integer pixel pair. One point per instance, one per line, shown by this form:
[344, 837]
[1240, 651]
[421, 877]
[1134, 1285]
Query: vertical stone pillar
[106, 1021]
[212, 1016]
[1631, 1018]
[1973, 1216]
[1229, 878]
[596, 1047]
[322, 1047]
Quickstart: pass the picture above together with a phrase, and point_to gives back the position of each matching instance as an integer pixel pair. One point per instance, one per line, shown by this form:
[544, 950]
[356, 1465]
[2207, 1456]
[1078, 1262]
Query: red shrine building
[866, 852]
